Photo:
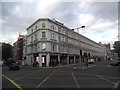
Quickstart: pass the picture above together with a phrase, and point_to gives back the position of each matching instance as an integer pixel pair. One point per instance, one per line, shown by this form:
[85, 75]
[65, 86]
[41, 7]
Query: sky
[99, 18]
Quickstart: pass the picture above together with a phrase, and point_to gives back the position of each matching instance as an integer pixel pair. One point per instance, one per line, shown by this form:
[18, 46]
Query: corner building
[48, 41]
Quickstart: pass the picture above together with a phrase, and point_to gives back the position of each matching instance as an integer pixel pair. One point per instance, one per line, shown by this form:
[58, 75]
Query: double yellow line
[45, 79]
[75, 80]
[105, 79]
[116, 85]
[14, 83]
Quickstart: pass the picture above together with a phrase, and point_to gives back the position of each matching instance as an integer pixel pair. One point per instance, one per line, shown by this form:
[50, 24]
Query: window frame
[43, 25]
[43, 34]
[53, 35]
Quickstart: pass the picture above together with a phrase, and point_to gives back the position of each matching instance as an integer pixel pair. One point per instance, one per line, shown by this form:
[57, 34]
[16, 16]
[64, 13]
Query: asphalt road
[97, 75]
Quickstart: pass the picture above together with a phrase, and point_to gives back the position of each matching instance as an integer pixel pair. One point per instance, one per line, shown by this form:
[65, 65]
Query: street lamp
[78, 32]
[78, 28]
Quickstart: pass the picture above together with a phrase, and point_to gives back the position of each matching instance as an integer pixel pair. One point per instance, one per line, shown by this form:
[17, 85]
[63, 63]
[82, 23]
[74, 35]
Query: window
[53, 35]
[31, 30]
[43, 25]
[43, 34]
[35, 36]
[53, 47]
[35, 27]
[31, 39]
[53, 27]
[43, 46]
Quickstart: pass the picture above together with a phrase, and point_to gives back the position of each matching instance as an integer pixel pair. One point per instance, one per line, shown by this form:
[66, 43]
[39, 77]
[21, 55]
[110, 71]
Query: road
[98, 75]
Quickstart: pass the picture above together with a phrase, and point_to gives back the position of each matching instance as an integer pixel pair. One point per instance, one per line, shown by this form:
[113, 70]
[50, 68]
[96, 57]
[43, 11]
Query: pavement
[96, 76]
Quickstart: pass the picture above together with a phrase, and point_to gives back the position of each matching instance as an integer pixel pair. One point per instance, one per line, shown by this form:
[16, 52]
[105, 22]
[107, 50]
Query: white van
[91, 61]
[1, 62]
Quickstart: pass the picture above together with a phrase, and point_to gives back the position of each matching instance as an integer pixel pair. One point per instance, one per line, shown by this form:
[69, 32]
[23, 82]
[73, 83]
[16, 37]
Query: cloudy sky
[100, 18]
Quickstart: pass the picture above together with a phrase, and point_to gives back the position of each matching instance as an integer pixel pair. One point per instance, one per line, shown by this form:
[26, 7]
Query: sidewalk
[76, 64]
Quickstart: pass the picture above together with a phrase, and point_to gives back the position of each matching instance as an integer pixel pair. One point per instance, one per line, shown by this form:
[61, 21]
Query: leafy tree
[117, 47]
[6, 51]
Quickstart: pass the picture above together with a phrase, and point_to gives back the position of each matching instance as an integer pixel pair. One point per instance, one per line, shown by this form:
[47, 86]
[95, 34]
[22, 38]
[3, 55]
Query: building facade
[48, 41]
[18, 49]
[15, 50]
[117, 47]
[107, 51]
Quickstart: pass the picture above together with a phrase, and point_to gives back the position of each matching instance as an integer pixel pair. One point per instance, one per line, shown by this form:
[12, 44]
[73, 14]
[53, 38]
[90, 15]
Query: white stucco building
[48, 40]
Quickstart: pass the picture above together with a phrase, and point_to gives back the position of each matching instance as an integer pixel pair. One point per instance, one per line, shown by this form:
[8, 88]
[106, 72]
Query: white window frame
[52, 35]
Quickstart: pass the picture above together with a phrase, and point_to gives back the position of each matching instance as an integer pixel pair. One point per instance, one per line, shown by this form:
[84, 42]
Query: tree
[6, 51]
[117, 47]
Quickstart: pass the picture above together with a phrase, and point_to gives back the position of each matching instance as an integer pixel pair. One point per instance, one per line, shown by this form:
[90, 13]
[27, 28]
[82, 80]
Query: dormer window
[43, 25]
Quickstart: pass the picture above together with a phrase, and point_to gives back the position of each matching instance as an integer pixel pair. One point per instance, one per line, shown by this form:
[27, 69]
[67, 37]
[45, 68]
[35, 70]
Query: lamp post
[78, 28]
[80, 57]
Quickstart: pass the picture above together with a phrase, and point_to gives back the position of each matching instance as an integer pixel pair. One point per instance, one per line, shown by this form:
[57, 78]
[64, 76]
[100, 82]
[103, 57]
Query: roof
[60, 24]
[51, 20]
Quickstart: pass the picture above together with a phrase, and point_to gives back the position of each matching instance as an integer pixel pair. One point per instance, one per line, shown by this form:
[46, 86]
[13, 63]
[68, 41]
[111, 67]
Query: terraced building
[48, 41]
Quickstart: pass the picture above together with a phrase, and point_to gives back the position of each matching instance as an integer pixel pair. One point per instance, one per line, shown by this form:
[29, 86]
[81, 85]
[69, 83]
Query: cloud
[16, 17]
[102, 26]
[46, 8]
[105, 10]
[97, 17]
[85, 19]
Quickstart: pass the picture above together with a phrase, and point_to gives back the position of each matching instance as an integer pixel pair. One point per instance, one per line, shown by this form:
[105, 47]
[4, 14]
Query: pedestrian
[87, 62]
[37, 64]
[34, 64]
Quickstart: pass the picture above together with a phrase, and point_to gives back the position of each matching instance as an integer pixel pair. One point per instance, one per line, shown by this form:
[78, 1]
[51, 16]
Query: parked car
[14, 66]
[1, 62]
[90, 61]
[114, 62]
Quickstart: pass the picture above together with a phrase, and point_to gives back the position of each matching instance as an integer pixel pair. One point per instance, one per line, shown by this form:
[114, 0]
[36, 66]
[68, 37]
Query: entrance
[71, 59]
[53, 60]
[43, 60]
[63, 59]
